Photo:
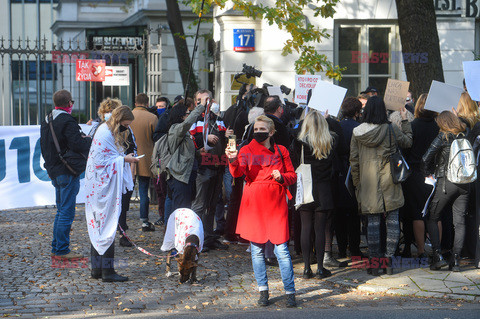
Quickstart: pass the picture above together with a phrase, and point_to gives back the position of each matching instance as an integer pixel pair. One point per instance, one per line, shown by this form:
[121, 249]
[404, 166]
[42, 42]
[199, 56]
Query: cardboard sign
[117, 76]
[90, 70]
[442, 97]
[395, 94]
[275, 90]
[471, 71]
[303, 83]
[327, 97]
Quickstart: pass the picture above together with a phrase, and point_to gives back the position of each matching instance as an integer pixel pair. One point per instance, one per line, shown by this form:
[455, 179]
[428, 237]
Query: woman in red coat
[263, 212]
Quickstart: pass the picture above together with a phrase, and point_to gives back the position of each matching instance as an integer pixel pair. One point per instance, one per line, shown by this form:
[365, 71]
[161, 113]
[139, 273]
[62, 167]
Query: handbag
[398, 165]
[304, 183]
[74, 161]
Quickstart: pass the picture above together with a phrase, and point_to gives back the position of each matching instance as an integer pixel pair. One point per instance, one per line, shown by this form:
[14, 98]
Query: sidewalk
[32, 285]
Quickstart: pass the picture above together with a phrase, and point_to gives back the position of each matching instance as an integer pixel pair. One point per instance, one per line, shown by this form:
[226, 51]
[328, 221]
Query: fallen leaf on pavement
[119, 303]
[126, 309]
[341, 305]
[205, 303]
[403, 285]
[187, 307]
[465, 288]
[355, 281]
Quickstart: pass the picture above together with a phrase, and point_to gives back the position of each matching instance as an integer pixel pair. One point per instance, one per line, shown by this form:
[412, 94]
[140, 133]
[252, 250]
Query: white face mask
[215, 108]
[107, 116]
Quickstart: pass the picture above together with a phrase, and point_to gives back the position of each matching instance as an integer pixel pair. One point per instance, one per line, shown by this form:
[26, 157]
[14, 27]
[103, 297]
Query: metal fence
[30, 73]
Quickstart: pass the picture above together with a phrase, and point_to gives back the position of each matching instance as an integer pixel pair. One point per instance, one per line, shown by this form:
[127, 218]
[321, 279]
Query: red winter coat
[263, 212]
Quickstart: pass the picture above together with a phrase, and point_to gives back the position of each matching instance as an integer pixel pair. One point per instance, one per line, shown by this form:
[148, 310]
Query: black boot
[330, 261]
[108, 271]
[373, 269]
[437, 260]
[454, 264]
[307, 273]
[263, 300]
[323, 273]
[389, 269]
[291, 302]
[96, 262]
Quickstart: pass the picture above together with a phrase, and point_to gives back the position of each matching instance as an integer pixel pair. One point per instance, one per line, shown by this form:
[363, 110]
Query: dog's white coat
[182, 223]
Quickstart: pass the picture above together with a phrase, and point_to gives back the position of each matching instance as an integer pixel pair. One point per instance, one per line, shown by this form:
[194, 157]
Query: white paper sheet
[442, 97]
[327, 96]
[471, 71]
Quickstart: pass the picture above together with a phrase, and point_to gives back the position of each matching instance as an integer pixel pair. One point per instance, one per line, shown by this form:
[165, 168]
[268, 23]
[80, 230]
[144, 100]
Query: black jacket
[424, 131]
[69, 135]
[162, 126]
[435, 160]
[236, 118]
[282, 135]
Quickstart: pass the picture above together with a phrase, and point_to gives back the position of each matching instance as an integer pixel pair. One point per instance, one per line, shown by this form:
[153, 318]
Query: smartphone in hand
[140, 156]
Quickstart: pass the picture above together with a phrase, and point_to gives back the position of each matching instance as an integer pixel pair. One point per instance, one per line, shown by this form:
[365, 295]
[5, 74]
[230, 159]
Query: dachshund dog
[184, 240]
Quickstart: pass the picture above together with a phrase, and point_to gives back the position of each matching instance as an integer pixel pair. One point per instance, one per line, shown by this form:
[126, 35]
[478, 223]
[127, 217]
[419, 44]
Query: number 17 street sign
[244, 40]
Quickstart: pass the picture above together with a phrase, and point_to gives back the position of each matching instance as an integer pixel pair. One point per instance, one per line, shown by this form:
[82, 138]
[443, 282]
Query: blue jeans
[168, 209]
[227, 183]
[143, 186]
[66, 190]
[284, 262]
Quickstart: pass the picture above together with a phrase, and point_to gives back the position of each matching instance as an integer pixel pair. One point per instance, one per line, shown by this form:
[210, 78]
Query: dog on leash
[184, 240]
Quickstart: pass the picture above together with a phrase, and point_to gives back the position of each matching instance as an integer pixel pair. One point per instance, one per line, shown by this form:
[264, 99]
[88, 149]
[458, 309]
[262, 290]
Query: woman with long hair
[435, 162]
[104, 113]
[416, 192]
[316, 144]
[107, 177]
[263, 212]
[373, 142]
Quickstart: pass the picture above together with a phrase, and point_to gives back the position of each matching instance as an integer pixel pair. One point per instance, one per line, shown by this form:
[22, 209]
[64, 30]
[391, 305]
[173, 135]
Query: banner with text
[23, 179]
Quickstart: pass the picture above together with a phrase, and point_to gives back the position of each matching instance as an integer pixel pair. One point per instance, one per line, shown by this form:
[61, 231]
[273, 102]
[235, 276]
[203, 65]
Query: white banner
[117, 76]
[23, 179]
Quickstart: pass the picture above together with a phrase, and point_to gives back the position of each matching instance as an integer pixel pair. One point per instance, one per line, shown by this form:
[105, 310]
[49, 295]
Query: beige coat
[143, 127]
[369, 159]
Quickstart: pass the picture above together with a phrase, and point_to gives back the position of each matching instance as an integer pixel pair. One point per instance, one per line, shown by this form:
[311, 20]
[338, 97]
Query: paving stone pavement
[34, 286]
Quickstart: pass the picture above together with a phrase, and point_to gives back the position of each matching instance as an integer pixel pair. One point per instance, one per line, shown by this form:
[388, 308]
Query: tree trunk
[183, 57]
[419, 36]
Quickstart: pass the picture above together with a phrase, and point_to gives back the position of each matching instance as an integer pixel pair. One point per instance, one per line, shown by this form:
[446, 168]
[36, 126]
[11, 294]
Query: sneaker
[243, 242]
[218, 245]
[263, 300]
[271, 262]
[229, 240]
[148, 226]
[159, 222]
[70, 255]
[124, 242]
[291, 302]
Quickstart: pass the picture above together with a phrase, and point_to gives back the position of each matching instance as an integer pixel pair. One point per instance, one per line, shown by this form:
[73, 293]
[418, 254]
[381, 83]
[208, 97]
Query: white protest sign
[24, 182]
[471, 71]
[395, 94]
[275, 90]
[303, 83]
[117, 76]
[327, 97]
[442, 97]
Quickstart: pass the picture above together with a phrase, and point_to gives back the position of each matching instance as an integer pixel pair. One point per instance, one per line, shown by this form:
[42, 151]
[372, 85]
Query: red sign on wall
[90, 70]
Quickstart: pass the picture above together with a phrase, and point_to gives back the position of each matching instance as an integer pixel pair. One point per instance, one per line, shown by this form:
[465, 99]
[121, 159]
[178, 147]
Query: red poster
[90, 70]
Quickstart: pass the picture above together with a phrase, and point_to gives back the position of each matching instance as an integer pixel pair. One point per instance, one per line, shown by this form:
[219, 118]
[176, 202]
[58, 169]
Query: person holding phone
[107, 177]
[268, 171]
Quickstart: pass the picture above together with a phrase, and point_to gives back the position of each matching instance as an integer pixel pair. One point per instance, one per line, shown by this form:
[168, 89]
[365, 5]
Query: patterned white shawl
[107, 176]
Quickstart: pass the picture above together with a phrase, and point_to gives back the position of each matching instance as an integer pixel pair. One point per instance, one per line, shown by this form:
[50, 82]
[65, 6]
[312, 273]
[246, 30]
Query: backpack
[461, 168]
[161, 156]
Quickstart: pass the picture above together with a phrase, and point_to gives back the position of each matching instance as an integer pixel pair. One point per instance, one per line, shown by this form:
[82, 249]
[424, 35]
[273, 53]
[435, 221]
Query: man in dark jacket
[274, 110]
[70, 137]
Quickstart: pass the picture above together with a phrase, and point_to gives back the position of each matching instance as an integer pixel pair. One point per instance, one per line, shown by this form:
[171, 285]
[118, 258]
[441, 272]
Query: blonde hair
[107, 106]
[266, 119]
[119, 114]
[315, 133]
[468, 110]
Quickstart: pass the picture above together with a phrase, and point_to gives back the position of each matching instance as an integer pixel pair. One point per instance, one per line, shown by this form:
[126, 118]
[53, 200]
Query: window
[369, 52]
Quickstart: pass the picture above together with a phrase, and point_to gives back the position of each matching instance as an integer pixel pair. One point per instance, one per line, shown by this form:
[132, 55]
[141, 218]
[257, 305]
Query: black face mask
[260, 136]
[122, 128]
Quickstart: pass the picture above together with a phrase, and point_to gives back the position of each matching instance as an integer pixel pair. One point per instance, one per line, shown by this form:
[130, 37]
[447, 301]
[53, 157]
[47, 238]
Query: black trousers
[456, 195]
[234, 207]
[122, 221]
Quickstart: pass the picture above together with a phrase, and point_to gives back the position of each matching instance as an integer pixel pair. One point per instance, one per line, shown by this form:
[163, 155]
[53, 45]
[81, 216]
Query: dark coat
[322, 173]
[162, 126]
[69, 135]
[236, 118]
[435, 159]
[282, 135]
[424, 131]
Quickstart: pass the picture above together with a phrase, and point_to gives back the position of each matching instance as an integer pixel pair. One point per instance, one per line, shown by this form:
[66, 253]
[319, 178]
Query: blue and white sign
[244, 40]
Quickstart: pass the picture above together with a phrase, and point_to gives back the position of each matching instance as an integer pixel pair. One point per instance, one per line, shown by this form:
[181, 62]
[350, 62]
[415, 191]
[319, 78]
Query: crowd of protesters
[244, 195]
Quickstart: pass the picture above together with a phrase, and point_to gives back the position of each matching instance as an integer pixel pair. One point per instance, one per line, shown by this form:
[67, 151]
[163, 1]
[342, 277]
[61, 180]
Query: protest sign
[471, 71]
[327, 97]
[395, 94]
[442, 97]
[117, 76]
[303, 83]
[90, 70]
[275, 90]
